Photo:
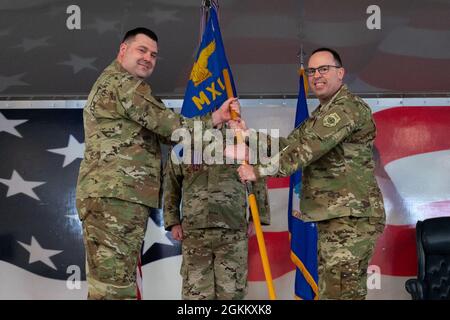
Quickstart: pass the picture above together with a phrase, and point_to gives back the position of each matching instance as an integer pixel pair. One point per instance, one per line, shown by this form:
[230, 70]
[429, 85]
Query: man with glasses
[339, 190]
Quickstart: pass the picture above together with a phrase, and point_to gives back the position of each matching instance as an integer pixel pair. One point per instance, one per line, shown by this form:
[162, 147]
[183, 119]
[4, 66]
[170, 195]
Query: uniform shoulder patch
[331, 120]
[331, 123]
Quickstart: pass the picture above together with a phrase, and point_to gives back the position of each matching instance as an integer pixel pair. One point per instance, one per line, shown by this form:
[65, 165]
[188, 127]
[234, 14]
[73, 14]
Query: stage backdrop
[53, 48]
[41, 251]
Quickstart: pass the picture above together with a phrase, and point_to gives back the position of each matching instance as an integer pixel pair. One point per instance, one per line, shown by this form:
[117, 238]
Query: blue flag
[206, 87]
[303, 234]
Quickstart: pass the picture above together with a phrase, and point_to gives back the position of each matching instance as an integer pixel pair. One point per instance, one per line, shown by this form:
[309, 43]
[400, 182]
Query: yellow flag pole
[253, 205]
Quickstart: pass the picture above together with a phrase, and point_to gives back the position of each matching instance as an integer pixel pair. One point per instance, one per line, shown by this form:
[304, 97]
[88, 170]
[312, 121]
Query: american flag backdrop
[41, 250]
[39, 228]
[413, 162]
[41, 241]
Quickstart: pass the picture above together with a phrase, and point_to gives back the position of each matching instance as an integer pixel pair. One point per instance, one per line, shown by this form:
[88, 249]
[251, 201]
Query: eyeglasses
[310, 72]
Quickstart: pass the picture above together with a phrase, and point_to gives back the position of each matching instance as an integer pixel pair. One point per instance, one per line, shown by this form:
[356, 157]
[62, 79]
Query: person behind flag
[334, 148]
[119, 177]
[211, 222]
[205, 209]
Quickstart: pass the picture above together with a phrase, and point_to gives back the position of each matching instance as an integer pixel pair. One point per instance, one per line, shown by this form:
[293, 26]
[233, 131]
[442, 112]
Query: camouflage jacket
[334, 148]
[123, 127]
[210, 196]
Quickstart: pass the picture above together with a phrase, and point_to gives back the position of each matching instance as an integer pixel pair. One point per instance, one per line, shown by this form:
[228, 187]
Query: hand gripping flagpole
[253, 205]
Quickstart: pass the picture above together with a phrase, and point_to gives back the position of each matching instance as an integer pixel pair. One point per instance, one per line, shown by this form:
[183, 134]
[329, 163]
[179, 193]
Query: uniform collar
[343, 91]
[116, 66]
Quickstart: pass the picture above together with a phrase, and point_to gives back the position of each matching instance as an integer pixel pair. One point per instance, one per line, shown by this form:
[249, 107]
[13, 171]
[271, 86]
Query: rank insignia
[331, 120]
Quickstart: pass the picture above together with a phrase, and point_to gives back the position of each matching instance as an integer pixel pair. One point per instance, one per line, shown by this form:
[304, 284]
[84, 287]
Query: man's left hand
[246, 173]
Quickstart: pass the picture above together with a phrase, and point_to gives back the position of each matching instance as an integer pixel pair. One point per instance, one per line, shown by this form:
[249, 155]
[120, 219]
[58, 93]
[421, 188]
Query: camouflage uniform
[345, 247]
[113, 231]
[124, 125]
[214, 223]
[339, 190]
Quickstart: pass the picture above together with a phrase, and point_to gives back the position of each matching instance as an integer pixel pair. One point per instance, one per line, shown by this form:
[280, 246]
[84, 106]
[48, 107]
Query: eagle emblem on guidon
[200, 70]
[331, 120]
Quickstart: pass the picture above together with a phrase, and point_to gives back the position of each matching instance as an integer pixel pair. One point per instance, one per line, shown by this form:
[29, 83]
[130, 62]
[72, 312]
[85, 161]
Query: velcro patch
[331, 120]
[331, 123]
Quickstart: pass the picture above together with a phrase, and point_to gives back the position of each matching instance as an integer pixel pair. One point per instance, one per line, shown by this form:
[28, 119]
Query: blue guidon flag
[206, 87]
[303, 235]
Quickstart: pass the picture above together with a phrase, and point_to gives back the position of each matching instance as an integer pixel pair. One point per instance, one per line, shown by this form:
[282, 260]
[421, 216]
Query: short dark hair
[336, 57]
[140, 30]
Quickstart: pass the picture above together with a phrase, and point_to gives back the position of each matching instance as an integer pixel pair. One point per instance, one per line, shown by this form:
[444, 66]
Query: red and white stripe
[139, 282]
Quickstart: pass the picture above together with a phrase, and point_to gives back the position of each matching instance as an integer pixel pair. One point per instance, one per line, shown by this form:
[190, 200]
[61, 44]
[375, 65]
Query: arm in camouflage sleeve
[262, 198]
[167, 140]
[140, 106]
[267, 141]
[282, 142]
[307, 143]
[173, 179]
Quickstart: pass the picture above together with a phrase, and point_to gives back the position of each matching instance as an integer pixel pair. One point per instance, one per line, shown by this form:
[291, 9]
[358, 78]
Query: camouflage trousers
[214, 264]
[345, 246]
[113, 232]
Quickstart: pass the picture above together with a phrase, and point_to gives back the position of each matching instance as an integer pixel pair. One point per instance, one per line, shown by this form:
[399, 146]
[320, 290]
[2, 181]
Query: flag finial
[210, 3]
[206, 3]
[301, 56]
